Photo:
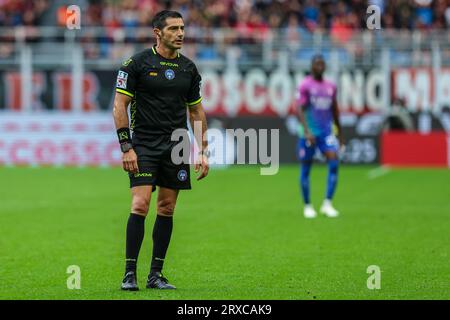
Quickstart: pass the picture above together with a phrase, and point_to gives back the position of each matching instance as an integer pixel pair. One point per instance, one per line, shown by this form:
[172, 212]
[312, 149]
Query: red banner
[415, 149]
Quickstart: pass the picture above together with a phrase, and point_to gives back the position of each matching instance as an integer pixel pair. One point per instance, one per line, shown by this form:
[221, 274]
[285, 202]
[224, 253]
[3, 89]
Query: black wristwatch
[126, 146]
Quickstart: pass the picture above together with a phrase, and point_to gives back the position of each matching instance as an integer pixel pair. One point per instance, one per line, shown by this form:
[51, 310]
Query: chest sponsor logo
[168, 64]
[170, 74]
[122, 78]
[321, 102]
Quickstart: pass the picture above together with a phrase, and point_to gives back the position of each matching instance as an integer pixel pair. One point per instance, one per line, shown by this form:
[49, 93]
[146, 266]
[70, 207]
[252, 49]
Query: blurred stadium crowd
[241, 21]
[254, 15]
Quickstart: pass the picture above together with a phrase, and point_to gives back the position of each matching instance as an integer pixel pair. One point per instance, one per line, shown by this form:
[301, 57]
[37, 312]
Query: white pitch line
[378, 172]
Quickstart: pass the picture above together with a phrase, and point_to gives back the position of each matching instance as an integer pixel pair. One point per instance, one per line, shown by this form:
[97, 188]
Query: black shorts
[157, 169]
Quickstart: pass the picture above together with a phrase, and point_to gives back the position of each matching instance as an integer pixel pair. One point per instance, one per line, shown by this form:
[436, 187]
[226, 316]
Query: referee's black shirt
[161, 90]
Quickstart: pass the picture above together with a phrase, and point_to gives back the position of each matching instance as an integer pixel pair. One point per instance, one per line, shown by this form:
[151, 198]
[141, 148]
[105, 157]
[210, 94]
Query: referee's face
[172, 34]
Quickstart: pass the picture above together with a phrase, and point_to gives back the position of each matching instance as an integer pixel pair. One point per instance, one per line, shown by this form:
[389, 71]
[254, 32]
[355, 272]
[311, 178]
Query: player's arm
[302, 103]
[120, 114]
[337, 122]
[301, 117]
[197, 118]
[125, 89]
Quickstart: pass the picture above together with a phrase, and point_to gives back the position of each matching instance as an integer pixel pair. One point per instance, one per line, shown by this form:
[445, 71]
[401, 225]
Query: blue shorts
[306, 152]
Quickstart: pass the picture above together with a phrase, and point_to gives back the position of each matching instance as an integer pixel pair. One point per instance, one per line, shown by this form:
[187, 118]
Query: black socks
[135, 235]
[162, 231]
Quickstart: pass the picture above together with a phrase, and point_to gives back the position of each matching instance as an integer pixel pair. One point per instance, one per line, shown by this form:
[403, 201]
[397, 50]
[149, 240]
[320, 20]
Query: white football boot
[309, 212]
[328, 210]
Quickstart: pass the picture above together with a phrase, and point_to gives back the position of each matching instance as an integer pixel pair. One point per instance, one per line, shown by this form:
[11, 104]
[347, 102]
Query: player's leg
[140, 201]
[329, 147]
[306, 155]
[333, 168]
[171, 178]
[162, 232]
[142, 184]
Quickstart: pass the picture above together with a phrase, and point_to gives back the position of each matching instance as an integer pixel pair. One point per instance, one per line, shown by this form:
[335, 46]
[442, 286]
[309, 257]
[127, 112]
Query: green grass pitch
[237, 235]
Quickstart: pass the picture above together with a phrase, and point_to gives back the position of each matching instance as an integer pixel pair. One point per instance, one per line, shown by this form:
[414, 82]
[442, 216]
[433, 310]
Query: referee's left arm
[197, 118]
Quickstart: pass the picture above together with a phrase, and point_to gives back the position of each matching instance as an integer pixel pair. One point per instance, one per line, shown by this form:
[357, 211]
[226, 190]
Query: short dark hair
[317, 56]
[159, 20]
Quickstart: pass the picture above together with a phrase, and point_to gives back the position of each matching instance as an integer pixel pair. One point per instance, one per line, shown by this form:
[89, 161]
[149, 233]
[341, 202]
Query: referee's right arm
[121, 102]
[124, 94]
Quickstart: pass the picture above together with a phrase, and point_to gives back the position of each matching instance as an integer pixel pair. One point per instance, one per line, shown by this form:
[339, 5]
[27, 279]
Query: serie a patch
[122, 79]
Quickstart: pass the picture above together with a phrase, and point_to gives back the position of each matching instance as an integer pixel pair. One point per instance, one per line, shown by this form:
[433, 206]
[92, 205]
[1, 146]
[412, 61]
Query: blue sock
[304, 180]
[332, 177]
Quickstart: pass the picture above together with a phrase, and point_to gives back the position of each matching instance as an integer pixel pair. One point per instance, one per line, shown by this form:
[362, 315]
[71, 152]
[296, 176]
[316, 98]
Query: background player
[160, 83]
[317, 109]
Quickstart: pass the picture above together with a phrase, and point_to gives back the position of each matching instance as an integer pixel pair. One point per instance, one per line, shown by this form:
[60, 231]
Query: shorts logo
[170, 74]
[122, 78]
[331, 141]
[182, 175]
[142, 175]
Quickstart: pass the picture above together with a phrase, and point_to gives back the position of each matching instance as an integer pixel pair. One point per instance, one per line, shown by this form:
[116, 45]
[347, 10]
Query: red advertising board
[415, 149]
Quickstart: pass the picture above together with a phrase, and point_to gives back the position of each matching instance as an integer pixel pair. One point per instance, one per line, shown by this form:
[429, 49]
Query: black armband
[124, 135]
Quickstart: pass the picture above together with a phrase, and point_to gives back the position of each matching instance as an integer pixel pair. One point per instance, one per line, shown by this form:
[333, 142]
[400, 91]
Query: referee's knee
[140, 205]
[166, 208]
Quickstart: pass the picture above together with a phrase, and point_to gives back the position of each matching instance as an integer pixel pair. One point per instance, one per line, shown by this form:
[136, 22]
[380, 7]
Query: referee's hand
[129, 161]
[203, 166]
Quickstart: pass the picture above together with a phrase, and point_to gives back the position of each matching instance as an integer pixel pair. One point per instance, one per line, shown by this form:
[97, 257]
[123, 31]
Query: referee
[160, 85]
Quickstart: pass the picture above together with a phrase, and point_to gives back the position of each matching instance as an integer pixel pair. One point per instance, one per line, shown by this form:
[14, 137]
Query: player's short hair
[317, 56]
[159, 20]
